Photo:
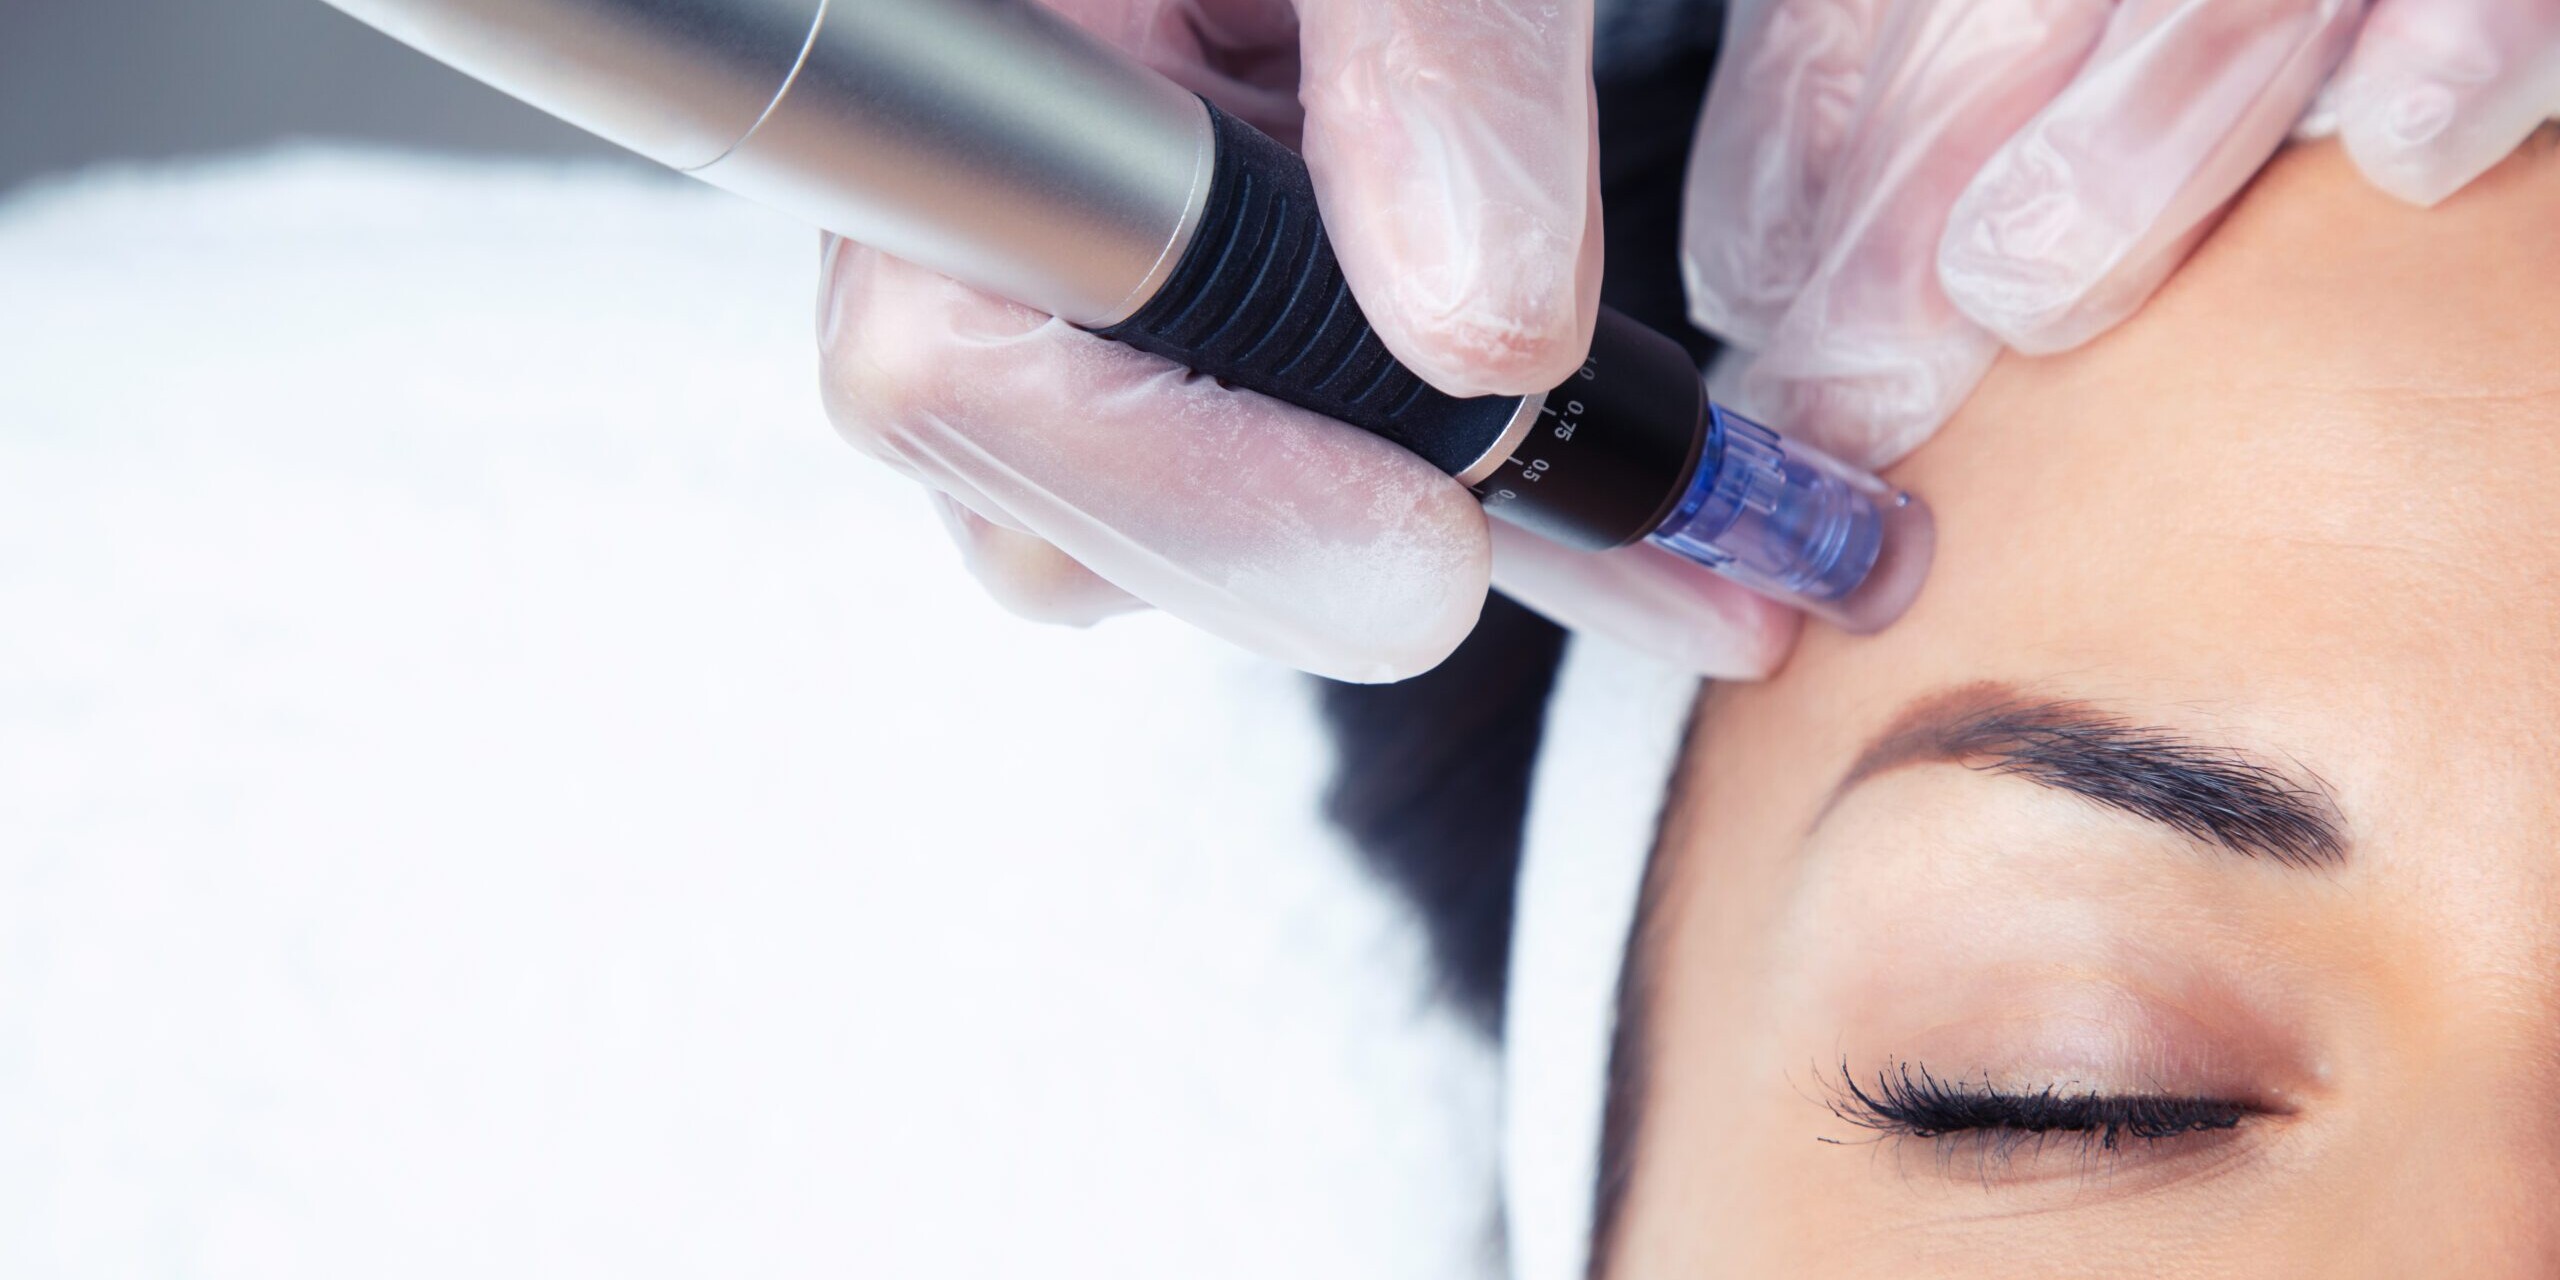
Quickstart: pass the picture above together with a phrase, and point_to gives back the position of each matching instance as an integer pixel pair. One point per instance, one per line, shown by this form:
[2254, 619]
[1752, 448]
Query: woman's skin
[2215, 777]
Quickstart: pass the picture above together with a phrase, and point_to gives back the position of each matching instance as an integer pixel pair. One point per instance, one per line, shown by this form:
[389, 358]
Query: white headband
[1612, 737]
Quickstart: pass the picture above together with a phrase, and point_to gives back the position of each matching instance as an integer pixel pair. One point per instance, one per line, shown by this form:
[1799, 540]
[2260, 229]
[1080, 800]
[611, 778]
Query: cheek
[1729, 1179]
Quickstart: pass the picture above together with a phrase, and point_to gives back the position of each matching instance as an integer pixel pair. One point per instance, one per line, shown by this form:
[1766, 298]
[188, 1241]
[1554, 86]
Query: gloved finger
[1870, 357]
[1778, 115]
[1285, 532]
[2439, 91]
[2074, 223]
[1028, 576]
[1650, 599]
[1240, 54]
[1452, 145]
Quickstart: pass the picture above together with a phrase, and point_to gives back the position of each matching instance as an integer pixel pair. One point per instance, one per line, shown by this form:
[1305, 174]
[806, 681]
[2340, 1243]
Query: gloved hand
[1452, 149]
[1885, 193]
[2438, 91]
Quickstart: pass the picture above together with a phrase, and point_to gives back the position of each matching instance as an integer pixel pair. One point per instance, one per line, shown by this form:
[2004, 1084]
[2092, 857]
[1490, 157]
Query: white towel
[490, 786]
[1613, 737]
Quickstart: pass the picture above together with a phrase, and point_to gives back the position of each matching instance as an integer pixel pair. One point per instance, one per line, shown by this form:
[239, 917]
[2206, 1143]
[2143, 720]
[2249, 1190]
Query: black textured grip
[1259, 302]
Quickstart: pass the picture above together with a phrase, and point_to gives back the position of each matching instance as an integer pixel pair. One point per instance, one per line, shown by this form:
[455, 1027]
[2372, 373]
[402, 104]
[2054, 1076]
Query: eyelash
[1907, 1101]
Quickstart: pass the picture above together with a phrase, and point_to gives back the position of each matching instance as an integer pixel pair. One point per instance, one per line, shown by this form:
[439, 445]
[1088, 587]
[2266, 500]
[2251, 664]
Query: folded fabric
[1612, 740]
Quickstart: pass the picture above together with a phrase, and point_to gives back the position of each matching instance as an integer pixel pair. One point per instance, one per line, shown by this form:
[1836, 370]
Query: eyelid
[2064, 979]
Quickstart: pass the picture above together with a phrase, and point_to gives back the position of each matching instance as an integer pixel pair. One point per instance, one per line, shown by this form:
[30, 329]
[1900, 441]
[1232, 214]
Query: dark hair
[1431, 779]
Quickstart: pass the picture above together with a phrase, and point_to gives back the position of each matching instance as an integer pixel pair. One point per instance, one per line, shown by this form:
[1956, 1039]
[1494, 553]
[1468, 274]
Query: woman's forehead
[2329, 451]
[2313, 491]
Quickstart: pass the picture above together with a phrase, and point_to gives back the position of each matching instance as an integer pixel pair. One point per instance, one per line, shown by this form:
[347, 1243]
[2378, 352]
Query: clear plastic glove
[1451, 143]
[1886, 192]
[1451, 148]
[2438, 91]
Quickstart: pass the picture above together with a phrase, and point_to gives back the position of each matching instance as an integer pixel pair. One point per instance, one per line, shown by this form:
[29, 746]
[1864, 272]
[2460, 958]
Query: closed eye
[1906, 1100]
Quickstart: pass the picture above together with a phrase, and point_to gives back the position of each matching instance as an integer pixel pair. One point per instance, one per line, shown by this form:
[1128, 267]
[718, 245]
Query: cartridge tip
[1796, 525]
[1908, 543]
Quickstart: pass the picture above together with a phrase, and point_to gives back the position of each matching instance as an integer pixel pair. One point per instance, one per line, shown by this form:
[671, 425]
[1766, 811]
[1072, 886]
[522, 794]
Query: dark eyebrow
[2214, 795]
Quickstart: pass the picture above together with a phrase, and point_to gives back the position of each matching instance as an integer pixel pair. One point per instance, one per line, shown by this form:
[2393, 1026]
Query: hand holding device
[1451, 149]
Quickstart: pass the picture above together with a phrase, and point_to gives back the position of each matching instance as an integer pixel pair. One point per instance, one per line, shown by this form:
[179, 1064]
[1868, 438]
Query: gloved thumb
[2439, 92]
[2075, 221]
[1452, 145]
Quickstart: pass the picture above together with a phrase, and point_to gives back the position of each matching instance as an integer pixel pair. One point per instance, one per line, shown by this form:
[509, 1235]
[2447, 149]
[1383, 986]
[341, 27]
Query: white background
[490, 786]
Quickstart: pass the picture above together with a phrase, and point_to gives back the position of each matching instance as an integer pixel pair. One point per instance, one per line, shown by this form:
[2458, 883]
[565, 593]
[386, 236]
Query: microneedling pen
[993, 142]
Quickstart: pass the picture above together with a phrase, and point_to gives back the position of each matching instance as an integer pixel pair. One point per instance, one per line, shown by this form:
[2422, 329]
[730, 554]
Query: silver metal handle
[986, 139]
